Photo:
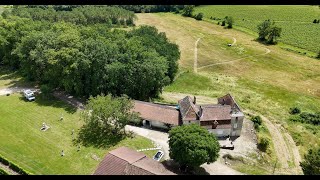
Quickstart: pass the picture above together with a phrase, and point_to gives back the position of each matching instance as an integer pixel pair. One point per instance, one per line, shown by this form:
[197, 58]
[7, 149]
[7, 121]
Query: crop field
[22, 141]
[266, 80]
[295, 21]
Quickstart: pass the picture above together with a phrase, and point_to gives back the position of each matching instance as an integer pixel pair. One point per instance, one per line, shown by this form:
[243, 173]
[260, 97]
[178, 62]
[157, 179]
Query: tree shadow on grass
[174, 167]
[7, 74]
[92, 135]
[43, 100]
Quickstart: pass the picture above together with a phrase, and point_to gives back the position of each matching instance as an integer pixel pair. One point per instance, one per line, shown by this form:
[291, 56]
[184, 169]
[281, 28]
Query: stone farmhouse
[222, 119]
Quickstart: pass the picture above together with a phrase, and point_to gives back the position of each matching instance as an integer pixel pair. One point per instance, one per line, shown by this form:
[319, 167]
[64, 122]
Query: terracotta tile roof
[111, 165]
[124, 161]
[215, 112]
[229, 100]
[188, 110]
[156, 112]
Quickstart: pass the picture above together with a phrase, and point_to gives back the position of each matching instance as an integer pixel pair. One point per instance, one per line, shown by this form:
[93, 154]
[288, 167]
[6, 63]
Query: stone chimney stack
[194, 99]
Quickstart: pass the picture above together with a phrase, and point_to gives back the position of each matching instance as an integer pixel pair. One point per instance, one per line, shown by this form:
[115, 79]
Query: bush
[311, 163]
[223, 23]
[263, 144]
[256, 120]
[315, 21]
[318, 56]
[3, 172]
[199, 16]
[294, 110]
[256, 127]
[13, 166]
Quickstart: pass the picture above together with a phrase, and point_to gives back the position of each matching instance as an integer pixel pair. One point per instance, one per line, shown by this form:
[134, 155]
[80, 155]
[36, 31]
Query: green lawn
[295, 21]
[22, 142]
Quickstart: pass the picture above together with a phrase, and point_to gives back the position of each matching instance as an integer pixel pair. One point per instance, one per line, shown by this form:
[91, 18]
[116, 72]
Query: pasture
[295, 21]
[266, 80]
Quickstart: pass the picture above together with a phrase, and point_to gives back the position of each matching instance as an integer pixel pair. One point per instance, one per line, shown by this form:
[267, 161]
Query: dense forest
[87, 57]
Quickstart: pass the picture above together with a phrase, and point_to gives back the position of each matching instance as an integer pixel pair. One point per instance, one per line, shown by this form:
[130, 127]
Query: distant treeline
[152, 8]
[75, 14]
[87, 59]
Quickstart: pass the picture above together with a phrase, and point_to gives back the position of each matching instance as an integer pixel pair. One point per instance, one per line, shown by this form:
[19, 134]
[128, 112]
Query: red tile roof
[124, 161]
[215, 112]
[156, 112]
[188, 110]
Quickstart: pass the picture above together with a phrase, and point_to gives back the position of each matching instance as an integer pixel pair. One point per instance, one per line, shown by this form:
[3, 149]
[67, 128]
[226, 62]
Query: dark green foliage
[79, 15]
[223, 23]
[89, 60]
[199, 16]
[315, 21]
[105, 118]
[188, 10]
[263, 144]
[3, 172]
[256, 120]
[192, 145]
[294, 110]
[318, 55]
[268, 32]
[311, 163]
[152, 8]
[229, 20]
[305, 117]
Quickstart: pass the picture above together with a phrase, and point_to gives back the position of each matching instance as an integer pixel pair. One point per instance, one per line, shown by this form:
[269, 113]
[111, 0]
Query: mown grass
[267, 84]
[295, 21]
[21, 140]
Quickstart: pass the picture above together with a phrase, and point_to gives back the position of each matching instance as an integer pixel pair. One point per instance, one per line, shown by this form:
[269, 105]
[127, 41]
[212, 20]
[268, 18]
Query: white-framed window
[235, 125]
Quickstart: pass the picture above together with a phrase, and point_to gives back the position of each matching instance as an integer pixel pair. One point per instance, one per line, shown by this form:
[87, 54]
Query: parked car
[158, 155]
[29, 95]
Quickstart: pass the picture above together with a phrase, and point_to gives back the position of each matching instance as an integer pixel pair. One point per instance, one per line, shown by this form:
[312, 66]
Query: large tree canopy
[105, 118]
[192, 145]
[88, 59]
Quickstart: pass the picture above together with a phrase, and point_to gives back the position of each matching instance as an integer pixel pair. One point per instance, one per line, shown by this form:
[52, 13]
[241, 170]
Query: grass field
[22, 142]
[268, 84]
[295, 21]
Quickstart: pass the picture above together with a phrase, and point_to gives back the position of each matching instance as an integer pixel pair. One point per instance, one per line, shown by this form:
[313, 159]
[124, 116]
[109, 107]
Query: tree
[192, 145]
[311, 163]
[188, 10]
[274, 33]
[263, 29]
[268, 31]
[105, 118]
[229, 21]
[315, 21]
[199, 16]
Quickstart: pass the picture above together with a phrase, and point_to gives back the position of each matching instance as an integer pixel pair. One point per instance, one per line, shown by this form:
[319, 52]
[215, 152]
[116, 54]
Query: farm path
[235, 60]
[7, 169]
[284, 146]
[195, 65]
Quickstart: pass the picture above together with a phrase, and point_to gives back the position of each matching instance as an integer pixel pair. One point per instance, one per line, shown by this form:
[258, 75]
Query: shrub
[3, 172]
[256, 120]
[263, 144]
[294, 110]
[223, 23]
[199, 16]
[315, 21]
[311, 163]
[256, 127]
[318, 56]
